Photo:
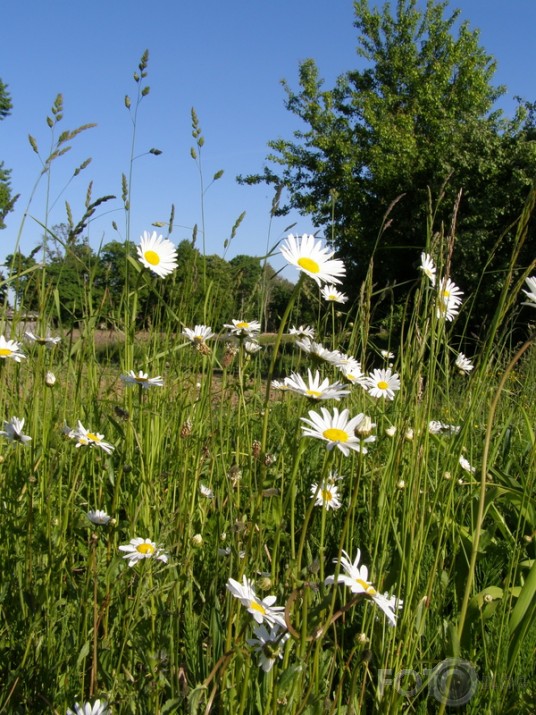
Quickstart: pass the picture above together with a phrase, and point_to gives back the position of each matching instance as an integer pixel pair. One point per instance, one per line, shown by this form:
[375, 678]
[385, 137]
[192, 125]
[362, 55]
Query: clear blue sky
[226, 59]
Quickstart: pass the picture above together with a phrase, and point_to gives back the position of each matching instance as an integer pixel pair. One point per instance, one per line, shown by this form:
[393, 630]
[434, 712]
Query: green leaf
[523, 615]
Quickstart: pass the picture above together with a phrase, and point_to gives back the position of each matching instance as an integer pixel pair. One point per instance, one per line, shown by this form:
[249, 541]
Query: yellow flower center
[446, 293]
[5, 352]
[255, 606]
[141, 379]
[242, 324]
[313, 393]
[326, 495]
[93, 437]
[367, 587]
[145, 548]
[332, 296]
[382, 385]
[152, 257]
[335, 435]
[308, 265]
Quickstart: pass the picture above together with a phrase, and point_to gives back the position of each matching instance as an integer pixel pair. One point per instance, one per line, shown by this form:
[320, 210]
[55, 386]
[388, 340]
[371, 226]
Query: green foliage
[7, 201]
[416, 122]
[72, 271]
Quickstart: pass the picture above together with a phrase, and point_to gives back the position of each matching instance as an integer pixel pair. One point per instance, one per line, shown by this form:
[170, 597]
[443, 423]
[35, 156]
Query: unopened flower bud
[364, 428]
[265, 583]
[50, 379]
[197, 541]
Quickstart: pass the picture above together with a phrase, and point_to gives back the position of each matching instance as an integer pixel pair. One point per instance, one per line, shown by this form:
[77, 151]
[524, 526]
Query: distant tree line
[69, 280]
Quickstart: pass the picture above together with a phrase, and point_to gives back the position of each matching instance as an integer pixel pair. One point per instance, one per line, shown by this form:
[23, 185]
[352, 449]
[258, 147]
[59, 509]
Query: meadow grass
[214, 469]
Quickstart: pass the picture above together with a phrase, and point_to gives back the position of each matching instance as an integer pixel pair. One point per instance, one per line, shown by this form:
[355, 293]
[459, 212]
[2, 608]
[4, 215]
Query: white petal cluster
[313, 259]
[157, 253]
[356, 578]
[138, 549]
[262, 610]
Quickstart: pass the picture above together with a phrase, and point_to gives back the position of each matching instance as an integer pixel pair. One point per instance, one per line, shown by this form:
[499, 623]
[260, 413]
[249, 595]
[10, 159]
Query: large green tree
[6, 199]
[414, 121]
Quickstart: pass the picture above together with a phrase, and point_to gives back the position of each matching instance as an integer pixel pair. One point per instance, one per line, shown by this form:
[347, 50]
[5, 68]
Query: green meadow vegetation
[226, 492]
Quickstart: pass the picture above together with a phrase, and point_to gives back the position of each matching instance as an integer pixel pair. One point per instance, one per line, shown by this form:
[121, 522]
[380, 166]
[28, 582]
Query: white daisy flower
[332, 295]
[449, 299]
[447, 310]
[463, 363]
[280, 385]
[139, 549]
[356, 578]
[142, 379]
[531, 292]
[335, 429]
[157, 253]
[199, 335]
[304, 331]
[354, 374]
[99, 517]
[308, 255]
[436, 427]
[85, 438]
[48, 341]
[268, 644]
[386, 355]
[206, 491]
[315, 389]
[428, 267]
[261, 610]
[98, 708]
[244, 328]
[252, 346]
[10, 349]
[13, 431]
[464, 464]
[383, 383]
[326, 494]
[346, 362]
[318, 350]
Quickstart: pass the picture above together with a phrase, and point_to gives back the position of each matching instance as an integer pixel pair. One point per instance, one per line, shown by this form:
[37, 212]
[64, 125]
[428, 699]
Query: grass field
[228, 532]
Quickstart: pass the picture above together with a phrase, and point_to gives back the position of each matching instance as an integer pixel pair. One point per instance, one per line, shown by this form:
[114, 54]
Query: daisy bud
[409, 434]
[401, 484]
[265, 583]
[50, 379]
[362, 638]
[197, 541]
[364, 428]
[390, 431]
